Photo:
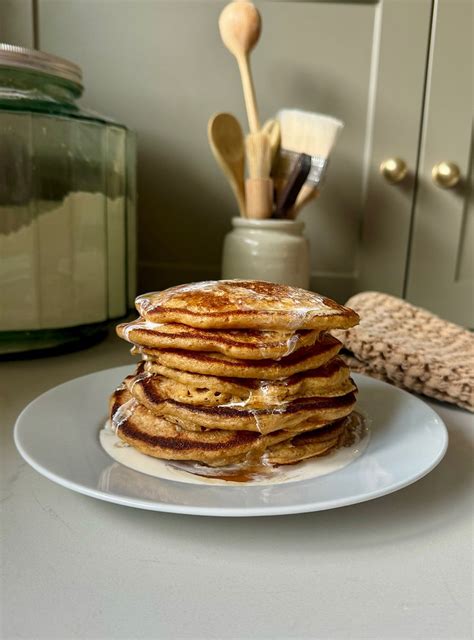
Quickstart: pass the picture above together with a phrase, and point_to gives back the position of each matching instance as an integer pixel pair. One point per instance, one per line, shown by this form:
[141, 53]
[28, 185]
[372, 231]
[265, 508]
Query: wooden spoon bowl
[240, 27]
[227, 144]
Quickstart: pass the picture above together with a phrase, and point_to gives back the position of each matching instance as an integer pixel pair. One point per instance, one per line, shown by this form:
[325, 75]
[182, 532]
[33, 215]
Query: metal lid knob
[446, 175]
[394, 170]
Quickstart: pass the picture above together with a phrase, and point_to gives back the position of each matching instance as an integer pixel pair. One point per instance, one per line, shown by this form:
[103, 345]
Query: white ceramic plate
[58, 435]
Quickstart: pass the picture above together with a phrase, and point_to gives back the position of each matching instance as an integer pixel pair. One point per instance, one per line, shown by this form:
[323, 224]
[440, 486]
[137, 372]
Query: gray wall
[159, 66]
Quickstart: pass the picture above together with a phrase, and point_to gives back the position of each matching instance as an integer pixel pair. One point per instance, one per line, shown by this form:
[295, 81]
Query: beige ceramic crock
[273, 250]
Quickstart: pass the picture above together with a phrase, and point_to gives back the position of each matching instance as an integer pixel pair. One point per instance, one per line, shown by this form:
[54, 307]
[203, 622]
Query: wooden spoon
[240, 27]
[227, 144]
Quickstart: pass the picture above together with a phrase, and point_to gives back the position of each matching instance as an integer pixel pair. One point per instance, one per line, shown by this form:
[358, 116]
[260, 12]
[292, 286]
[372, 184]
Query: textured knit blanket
[411, 348]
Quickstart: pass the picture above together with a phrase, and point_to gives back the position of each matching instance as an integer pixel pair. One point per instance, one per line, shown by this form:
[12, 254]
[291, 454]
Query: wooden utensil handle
[259, 197]
[239, 192]
[249, 93]
[306, 194]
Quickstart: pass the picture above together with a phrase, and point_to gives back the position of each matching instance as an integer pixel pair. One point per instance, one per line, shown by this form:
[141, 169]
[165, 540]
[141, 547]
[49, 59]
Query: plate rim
[260, 511]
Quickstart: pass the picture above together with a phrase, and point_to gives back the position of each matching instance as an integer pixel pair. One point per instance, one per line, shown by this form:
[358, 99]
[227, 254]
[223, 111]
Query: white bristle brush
[305, 132]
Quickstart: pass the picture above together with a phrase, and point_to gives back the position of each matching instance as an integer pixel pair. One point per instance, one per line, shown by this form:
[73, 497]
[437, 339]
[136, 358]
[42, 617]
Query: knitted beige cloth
[410, 347]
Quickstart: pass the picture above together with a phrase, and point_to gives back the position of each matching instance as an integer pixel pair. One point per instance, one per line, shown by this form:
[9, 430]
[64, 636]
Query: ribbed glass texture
[67, 206]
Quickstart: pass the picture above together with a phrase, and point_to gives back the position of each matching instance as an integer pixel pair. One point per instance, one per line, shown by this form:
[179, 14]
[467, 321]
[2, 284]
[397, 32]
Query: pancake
[215, 364]
[235, 372]
[266, 420]
[157, 437]
[331, 379]
[244, 304]
[245, 343]
[160, 438]
[306, 445]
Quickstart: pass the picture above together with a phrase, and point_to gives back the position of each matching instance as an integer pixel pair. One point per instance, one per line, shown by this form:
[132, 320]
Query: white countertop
[398, 567]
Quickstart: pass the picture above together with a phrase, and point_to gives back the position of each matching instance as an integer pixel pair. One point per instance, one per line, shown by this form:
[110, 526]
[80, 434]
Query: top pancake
[244, 304]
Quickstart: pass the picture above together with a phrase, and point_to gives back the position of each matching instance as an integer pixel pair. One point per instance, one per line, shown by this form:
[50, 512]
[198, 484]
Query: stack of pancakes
[234, 371]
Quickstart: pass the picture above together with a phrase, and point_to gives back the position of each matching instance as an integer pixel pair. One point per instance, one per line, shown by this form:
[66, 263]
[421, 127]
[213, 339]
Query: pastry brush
[288, 195]
[313, 134]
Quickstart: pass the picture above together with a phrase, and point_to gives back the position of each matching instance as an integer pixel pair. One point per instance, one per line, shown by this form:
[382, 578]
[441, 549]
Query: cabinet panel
[441, 267]
[160, 67]
[16, 22]
[399, 77]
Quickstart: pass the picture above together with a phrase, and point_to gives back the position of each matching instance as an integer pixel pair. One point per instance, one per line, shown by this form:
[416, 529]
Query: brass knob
[394, 170]
[446, 175]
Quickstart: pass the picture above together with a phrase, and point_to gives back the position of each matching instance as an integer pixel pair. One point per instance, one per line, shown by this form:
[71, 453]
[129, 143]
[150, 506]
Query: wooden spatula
[227, 144]
[272, 129]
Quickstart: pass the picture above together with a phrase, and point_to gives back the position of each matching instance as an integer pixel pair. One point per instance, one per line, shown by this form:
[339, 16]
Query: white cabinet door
[400, 50]
[441, 259]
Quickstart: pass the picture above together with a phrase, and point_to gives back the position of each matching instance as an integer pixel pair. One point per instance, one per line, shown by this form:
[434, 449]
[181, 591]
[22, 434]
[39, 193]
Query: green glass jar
[67, 208]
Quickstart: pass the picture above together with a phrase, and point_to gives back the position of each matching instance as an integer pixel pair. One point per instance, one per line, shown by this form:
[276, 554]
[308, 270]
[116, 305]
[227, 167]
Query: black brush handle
[293, 185]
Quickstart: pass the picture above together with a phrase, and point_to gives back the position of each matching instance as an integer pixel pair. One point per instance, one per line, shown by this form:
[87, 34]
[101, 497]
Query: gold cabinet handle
[394, 170]
[446, 175]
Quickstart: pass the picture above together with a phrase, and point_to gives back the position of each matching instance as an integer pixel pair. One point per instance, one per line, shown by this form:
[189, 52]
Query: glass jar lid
[21, 58]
